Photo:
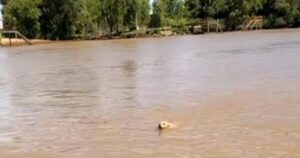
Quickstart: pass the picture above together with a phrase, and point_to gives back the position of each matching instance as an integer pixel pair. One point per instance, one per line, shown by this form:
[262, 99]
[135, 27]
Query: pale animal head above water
[165, 125]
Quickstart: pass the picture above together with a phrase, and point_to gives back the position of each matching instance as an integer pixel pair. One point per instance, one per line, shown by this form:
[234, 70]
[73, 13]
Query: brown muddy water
[231, 95]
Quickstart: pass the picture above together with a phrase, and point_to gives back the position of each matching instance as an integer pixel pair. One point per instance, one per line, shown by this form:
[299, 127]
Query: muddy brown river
[231, 95]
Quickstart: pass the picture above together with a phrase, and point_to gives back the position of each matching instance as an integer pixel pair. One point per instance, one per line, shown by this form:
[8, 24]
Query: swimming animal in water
[165, 125]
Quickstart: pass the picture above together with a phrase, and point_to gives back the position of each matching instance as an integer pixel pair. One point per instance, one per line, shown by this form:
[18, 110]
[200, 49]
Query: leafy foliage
[67, 19]
[23, 15]
[168, 13]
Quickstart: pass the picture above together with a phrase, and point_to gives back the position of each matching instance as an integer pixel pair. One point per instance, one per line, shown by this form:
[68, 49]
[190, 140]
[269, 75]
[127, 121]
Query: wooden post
[0, 37]
[217, 25]
[136, 25]
[208, 29]
[16, 36]
[10, 40]
[221, 27]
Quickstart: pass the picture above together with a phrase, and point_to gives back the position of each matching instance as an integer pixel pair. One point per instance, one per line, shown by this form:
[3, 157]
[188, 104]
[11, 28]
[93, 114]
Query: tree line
[66, 19]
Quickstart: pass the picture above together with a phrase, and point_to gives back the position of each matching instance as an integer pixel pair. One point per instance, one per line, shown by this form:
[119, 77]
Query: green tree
[93, 8]
[56, 22]
[137, 13]
[113, 13]
[233, 11]
[246, 8]
[143, 12]
[23, 15]
[167, 13]
[67, 19]
[3, 2]
[157, 16]
[194, 8]
[87, 16]
[130, 14]
[282, 13]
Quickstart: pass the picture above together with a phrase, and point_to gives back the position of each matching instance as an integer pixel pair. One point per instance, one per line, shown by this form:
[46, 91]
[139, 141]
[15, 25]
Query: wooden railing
[208, 24]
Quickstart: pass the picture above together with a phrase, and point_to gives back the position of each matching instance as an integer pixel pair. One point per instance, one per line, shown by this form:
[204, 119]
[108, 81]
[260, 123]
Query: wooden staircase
[17, 35]
[252, 22]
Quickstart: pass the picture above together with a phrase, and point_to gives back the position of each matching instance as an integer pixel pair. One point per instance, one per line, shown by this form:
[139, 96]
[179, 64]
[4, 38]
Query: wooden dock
[16, 36]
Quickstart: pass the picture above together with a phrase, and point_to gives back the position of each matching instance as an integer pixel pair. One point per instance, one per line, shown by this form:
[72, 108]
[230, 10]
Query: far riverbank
[5, 42]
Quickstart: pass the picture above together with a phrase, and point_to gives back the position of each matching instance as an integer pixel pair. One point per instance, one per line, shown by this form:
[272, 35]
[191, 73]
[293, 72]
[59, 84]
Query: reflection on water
[231, 95]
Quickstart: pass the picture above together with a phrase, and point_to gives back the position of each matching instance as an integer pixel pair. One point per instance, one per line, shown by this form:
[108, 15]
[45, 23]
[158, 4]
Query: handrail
[17, 33]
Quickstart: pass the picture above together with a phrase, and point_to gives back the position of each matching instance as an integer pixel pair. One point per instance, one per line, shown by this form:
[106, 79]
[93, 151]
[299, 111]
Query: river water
[231, 95]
